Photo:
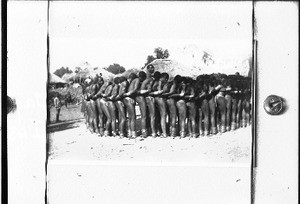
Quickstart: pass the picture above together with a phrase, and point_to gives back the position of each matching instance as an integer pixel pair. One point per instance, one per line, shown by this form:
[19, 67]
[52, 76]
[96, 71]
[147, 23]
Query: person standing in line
[57, 105]
[171, 104]
[123, 85]
[181, 106]
[134, 83]
[154, 93]
[140, 99]
[161, 101]
[145, 89]
[105, 91]
[191, 107]
[112, 105]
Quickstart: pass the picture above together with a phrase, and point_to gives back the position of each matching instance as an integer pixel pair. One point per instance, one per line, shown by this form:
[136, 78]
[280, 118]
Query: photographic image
[150, 82]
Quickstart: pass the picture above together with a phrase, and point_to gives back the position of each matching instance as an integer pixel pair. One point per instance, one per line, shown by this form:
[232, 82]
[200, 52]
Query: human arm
[171, 91]
[135, 86]
[191, 95]
[107, 92]
[114, 92]
[101, 90]
[181, 92]
[122, 90]
[159, 86]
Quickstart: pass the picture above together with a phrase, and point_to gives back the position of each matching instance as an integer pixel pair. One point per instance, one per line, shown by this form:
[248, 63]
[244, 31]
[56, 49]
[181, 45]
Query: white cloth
[57, 103]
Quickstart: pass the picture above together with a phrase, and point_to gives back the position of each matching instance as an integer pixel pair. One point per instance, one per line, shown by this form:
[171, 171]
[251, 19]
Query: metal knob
[273, 105]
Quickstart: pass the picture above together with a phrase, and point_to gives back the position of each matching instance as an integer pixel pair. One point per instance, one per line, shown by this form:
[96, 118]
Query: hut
[56, 81]
[91, 73]
[68, 77]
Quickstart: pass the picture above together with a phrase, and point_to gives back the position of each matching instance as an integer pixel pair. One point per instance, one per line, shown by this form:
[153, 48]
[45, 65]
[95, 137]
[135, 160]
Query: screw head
[273, 105]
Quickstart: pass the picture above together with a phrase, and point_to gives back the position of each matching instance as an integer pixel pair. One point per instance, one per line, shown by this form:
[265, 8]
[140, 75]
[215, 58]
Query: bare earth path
[75, 143]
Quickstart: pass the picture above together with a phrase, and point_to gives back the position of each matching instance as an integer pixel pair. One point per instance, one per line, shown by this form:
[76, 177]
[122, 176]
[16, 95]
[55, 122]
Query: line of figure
[178, 107]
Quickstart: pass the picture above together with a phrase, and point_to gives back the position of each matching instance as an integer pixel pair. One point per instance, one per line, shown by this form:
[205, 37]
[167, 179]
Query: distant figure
[57, 105]
[68, 99]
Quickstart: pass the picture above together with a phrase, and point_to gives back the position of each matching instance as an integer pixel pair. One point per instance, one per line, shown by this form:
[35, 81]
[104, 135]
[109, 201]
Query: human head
[183, 80]
[132, 76]
[156, 75]
[95, 79]
[142, 75]
[100, 80]
[189, 80]
[212, 81]
[117, 80]
[182, 83]
[150, 68]
[109, 80]
[164, 76]
[88, 81]
[199, 78]
[177, 78]
[122, 79]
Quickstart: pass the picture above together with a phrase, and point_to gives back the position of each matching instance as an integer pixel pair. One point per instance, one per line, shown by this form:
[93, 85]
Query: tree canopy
[61, 71]
[159, 53]
[115, 68]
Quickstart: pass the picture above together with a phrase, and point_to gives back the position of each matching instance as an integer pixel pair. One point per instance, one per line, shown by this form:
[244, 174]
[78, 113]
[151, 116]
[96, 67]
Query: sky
[103, 33]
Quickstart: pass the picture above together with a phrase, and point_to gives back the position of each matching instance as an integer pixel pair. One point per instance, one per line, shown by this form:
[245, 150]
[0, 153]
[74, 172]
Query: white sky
[104, 33]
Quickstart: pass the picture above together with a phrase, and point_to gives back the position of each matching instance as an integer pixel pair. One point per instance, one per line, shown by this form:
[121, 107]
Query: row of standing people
[178, 107]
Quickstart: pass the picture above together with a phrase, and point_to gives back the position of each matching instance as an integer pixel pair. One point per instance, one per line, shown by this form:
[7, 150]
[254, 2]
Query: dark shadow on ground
[56, 127]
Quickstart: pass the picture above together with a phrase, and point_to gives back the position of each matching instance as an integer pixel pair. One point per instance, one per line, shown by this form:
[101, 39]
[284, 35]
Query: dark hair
[165, 75]
[122, 78]
[156, 75]
[184, 79]
[189, 80]
[199, 78]
[142, 75]
[132, 76]
[211, 80]
[117, 80]
[177, 78]
[182, 84]
[198, 86]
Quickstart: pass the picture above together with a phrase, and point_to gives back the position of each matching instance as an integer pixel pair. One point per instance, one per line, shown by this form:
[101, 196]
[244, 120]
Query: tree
[159, 53]
[166, 54]
[61, 71]
[115, 68]
[150, 58]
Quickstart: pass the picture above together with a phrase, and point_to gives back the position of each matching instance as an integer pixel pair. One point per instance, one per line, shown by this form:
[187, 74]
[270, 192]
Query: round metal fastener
[273, 105]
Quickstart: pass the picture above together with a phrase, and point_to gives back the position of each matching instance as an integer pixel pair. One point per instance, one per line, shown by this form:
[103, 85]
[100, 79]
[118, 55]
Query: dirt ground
[72, 141]
[69, 113]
